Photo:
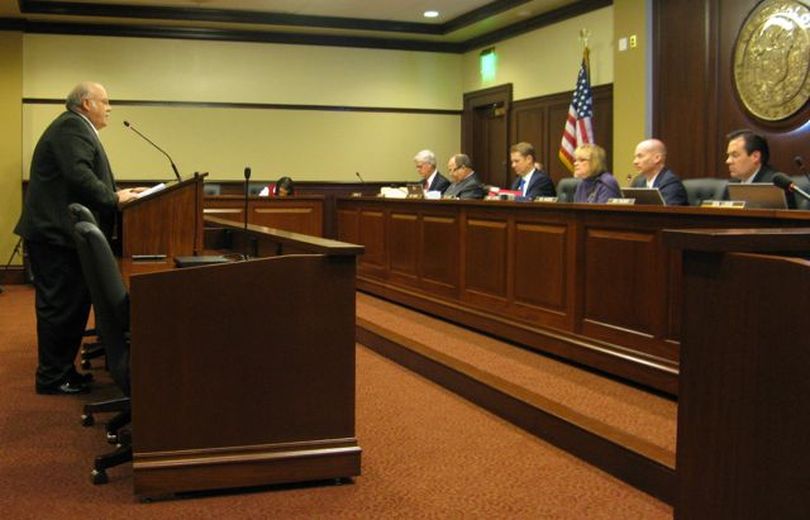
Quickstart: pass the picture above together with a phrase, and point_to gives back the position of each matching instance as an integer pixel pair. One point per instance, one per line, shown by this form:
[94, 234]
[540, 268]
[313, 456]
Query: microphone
[161, 150]
[247, 192]
[358, 176]
[784, 182]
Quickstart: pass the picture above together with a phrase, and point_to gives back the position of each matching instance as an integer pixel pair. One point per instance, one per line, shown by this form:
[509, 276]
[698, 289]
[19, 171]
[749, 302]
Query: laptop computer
[758, 195]
[650, 196]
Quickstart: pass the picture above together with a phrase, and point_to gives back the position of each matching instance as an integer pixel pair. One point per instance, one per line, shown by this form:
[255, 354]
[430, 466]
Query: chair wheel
[112, 438]
[88, 420]
[99, 477]
[85, 364]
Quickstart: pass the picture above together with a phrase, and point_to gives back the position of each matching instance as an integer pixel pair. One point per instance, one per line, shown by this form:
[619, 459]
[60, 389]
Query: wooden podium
[243, 374]
[168, 222]
[743, 415]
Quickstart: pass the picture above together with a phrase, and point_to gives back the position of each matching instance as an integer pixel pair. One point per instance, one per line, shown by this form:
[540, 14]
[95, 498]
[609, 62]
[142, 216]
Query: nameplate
[738, 204]
[621, 201]
[545, 199]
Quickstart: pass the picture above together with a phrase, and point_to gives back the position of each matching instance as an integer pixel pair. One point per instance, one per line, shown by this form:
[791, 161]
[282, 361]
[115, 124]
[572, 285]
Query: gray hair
[462, 161]
[425, 156]
[79, 93]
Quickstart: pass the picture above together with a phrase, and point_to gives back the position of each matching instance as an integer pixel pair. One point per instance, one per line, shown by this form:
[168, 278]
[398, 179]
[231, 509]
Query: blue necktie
[520, 185]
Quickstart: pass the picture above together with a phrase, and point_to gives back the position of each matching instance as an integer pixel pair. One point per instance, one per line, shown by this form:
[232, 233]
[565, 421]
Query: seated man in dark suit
[650, 162]
[532, 182]
[432, 179]
[466, 184]
[747, 160]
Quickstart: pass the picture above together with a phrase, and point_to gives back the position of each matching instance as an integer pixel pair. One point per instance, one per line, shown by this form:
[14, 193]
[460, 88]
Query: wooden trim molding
[192, 15]
[255, 106]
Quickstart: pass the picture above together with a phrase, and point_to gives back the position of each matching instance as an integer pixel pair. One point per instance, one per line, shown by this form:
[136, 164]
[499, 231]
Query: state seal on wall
[772, 59]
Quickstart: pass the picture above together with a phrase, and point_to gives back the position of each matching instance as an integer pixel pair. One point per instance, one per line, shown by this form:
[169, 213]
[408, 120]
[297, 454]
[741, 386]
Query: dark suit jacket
[540, 185]
[766, 174]
[469, 188]
[440, 183]
[668, 184]
[69, 165]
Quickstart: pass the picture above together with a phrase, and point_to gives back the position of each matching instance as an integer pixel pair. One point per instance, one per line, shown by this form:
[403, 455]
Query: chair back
[804, 183]
[80, 213]
[566, 189]
[704, 188]
[109, 297]
[211, 188]
[255, 187]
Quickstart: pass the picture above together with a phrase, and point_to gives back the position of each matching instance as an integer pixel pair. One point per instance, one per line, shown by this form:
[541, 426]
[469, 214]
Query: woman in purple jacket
[598, 184]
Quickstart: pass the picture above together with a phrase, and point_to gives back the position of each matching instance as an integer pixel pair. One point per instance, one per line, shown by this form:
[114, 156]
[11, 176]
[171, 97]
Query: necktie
[521, 184]
[426, 185]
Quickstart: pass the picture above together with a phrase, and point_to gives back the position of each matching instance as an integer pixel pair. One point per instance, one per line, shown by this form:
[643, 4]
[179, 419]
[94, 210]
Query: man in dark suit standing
[532, 182]
[432, 179]
[466, 183]
[650, 162]
[69, 165]
[747, 159]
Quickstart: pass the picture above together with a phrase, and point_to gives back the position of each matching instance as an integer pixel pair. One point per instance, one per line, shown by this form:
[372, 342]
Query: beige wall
[546, 61]
[307, 145]
[631, 88]
[10, 140]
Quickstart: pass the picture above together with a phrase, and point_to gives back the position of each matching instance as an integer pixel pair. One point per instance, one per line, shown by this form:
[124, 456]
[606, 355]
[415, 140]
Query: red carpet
[427, 454]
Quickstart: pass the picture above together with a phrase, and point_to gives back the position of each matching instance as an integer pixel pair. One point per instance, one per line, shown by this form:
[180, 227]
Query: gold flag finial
[584, 35]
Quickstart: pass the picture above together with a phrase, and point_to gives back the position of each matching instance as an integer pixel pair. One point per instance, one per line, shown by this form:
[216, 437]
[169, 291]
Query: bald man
[650, 162]
[69, 165]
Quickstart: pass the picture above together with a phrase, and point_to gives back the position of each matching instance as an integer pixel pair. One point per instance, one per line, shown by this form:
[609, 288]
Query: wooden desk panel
[298, 214]
[592, 283]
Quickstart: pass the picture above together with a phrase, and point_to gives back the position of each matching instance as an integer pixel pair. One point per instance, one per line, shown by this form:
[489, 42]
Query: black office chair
[211, 189]
[704, 188]
[254, 188]
[93, 349]
[804, 183]
[111, 302]
[566, 189]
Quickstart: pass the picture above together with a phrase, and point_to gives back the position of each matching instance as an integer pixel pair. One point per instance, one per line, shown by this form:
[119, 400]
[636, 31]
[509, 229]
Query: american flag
[578, 126]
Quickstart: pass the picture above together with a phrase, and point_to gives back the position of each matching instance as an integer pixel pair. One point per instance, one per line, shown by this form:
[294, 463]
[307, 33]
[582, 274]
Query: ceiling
[461, 24]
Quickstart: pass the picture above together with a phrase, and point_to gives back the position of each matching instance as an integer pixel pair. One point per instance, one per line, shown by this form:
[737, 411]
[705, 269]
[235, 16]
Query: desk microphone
[161, 150]
[247, 192]
[784, 182]
[358, 176]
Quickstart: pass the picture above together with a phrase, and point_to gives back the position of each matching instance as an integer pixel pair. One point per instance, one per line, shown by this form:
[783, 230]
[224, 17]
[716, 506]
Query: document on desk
[154, 189]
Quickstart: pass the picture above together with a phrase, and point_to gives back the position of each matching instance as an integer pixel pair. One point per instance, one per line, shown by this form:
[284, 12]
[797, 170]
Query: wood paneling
[618, 263]
[602, 289]
[233, 386]
[742, 451]
[695, 103]
[485, 260]
[439, 253]
[404, 235]
[372, 235]
[540, 279]
[541, 120]
[298, 214]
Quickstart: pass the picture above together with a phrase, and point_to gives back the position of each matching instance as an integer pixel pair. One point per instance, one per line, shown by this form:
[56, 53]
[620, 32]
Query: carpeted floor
[636, 412]
[427, 454]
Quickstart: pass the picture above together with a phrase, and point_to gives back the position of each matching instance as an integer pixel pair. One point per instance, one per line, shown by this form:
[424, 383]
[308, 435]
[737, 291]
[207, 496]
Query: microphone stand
[8, 264]
[161, 150]
[247, 192]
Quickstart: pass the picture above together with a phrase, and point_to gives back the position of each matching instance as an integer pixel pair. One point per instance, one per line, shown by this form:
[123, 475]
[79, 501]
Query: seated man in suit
[650, 162]
[432, 180]
[747, 160]
[532, 182]
[466, 184]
